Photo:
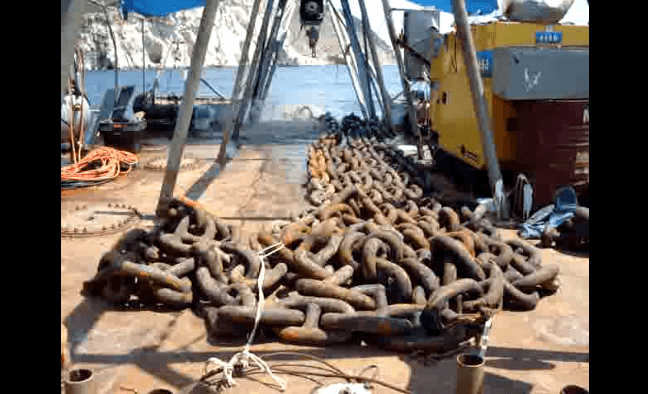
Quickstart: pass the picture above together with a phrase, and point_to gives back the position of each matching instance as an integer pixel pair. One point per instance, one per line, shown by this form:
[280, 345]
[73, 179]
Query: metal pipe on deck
[479, 101]
[186, 106]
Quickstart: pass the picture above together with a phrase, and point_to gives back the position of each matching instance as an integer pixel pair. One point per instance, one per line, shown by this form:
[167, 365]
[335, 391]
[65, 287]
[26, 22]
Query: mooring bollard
[80, 381]
[470, 374]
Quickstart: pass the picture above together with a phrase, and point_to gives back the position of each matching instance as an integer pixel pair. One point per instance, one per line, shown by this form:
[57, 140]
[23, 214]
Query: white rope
[245, 356]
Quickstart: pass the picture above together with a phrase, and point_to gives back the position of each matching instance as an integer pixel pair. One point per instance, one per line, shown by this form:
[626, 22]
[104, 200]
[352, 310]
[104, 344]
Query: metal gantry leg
[278, 44]
[411, 111]
[186, 107]
[253, 71]
[71, 11]
[360, 60]
[233, 109]
[386, 101]
[336, 21]
[266, 61]
[244, 52]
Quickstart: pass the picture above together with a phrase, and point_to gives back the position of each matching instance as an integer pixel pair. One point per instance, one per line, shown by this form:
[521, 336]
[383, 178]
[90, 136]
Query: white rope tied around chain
[245, 356]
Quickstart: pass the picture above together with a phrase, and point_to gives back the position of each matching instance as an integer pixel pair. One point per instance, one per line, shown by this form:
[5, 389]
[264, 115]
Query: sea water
[325, 88]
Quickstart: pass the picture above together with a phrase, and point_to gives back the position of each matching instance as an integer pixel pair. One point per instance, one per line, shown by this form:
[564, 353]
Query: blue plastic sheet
[552, 215]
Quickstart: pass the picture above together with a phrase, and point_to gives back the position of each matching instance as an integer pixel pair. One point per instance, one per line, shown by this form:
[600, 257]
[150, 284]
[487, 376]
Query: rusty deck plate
[96, 219]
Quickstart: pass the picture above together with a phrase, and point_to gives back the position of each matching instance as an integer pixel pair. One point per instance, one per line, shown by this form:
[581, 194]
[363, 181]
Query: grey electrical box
[420, 28]
[541, 73]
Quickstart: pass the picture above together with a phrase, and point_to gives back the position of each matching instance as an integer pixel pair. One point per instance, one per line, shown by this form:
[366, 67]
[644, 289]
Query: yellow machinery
[536, 84]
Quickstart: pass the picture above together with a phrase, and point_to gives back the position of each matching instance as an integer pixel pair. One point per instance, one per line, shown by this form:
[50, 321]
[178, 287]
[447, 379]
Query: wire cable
[329, 372]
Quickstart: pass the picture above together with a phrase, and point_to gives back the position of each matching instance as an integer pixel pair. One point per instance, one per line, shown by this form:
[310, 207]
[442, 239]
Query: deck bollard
[470, 374]
[573, 389]
[80, 381]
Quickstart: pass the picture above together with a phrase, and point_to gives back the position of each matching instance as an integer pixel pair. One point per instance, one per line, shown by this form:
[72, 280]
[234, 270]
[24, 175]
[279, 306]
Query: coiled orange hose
[107, 165]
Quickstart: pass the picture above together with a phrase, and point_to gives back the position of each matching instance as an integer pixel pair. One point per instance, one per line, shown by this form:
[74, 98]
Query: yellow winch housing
[536, 84]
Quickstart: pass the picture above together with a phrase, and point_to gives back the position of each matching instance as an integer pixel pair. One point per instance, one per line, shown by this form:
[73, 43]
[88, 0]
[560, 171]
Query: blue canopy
[164, 7]
[472, 6]
[158, 7]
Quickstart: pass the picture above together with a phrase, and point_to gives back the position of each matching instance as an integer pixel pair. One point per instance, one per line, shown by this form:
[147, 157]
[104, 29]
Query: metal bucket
[80, 381]
[470, 374]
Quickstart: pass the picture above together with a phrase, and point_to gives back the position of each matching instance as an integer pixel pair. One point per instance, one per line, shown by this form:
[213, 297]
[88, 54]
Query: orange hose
[110, 160]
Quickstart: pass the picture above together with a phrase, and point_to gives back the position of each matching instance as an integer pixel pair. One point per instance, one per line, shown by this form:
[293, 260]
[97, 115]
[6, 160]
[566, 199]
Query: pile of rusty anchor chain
[376, 260]
[176, 264]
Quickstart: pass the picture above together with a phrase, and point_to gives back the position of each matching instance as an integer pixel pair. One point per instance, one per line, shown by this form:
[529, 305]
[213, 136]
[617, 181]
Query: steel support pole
[186, 106]
[367, 66]
[377, 66]
[267, 56]
[278, 44]
[244, 54]
[143, 61]
[112, 37]
[479, 101]
[406, 88]
[233, 109]
[377, 92]
[339, 32]
[253, 72]
[355, 45]
[71, 11]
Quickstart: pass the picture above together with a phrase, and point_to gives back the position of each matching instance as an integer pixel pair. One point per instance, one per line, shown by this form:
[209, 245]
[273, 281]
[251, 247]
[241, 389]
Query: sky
[578, 13]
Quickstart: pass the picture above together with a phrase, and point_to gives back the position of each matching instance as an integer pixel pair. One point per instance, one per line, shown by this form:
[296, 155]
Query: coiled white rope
[242, 358]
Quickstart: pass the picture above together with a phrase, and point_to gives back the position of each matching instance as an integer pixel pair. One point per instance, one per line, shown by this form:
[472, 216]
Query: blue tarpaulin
[165, 7]
[552, 215]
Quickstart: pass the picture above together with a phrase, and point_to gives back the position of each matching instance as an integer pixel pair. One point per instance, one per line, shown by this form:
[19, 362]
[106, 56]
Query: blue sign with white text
[485, 62]
[548, 37]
